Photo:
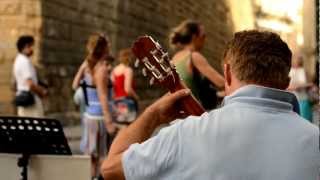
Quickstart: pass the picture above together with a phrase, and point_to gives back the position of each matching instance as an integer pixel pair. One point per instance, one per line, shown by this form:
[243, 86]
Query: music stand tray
[28, 136]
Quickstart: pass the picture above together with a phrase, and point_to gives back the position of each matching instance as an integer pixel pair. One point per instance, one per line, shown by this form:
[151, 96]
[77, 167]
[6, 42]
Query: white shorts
[36, 110]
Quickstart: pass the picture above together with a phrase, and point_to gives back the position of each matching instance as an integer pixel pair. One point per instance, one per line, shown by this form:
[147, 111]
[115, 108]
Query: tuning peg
[151, 81]
[154, 52]
[165, 55]
[172, 65]
[158, 44]
[144, 72]
[136, 63]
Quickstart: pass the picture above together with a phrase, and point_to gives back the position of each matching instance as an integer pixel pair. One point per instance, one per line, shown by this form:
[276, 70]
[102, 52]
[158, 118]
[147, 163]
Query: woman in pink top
[125, 97]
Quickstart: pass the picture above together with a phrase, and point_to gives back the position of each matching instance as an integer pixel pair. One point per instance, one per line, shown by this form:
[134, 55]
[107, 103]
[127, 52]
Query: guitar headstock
[156, 62]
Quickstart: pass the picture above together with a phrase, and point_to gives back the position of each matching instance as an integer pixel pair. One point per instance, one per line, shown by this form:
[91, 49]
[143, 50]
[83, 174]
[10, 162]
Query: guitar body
[157, 66]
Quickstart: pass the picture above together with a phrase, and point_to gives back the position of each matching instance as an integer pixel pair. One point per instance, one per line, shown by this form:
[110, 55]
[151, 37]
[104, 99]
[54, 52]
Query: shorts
[36, 110]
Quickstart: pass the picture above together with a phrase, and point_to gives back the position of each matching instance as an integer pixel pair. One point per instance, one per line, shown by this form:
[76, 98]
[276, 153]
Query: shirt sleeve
[156, 158]
[25, 69]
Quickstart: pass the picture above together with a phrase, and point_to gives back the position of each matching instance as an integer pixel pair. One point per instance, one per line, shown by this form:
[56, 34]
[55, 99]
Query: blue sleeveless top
[94, 107]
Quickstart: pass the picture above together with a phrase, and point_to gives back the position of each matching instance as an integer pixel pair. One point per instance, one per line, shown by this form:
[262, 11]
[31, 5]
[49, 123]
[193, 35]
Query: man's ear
[227, 73]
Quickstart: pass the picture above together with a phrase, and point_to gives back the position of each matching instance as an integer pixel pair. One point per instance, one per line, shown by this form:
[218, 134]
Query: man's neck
[240, 84]
[24, 54]
[234, 85]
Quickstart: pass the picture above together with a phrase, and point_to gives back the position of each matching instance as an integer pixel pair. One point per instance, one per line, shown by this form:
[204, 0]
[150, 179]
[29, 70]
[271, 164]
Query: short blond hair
[125, 56]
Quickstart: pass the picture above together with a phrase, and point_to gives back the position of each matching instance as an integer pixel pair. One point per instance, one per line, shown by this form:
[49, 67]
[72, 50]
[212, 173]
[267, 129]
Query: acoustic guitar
[157, 66]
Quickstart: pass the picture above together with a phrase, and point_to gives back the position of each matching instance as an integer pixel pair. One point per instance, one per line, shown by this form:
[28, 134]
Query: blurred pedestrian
[124, 95]
[299, 86]
[79, 100]
[97, 117]
[28, 91]
[189, 38]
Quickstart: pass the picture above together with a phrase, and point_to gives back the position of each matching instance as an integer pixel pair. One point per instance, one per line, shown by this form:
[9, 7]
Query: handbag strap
[84, 87]
[195, 72]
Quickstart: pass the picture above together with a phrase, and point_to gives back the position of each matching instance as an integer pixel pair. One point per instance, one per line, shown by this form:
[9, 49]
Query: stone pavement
[73, 134]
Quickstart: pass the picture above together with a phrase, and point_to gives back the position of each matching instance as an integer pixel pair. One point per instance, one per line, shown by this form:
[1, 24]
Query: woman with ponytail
[189, 38]
[97, 117]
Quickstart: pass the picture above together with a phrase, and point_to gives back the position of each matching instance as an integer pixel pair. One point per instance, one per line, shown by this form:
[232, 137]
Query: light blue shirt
[255, 135]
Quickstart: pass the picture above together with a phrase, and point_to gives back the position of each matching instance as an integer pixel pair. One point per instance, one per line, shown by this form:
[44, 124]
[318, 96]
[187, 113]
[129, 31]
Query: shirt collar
[23, 55]
[265, 96]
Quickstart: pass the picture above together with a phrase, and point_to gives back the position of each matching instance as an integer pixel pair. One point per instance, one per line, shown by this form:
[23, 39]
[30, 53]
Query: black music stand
[29, 136]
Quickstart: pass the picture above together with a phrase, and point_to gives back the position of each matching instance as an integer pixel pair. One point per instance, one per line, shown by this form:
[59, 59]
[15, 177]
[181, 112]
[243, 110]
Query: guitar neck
[189, 104]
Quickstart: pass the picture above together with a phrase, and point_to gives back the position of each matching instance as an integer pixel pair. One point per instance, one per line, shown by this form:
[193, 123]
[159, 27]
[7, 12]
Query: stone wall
[66, 24]
[66, 27]
[243, 17]
[309, 36]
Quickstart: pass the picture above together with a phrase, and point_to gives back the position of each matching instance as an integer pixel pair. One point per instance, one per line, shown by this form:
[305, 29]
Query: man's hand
[166, 108]
[40, 91]
[110, 127]
[44, 93]
[162, 111]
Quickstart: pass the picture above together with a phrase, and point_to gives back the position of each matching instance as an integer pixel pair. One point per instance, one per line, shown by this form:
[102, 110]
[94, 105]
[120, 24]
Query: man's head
[25, 45]
[256, 57]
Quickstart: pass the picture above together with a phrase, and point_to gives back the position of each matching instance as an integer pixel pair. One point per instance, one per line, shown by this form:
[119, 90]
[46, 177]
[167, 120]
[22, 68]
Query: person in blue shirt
[256, 134]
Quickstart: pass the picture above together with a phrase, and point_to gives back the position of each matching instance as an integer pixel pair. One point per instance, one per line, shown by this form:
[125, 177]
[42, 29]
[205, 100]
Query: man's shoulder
[195, 123]
[306, 127]
[21, 59]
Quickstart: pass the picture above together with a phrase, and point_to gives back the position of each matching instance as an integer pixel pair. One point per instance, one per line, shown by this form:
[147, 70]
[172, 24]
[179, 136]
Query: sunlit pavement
[73, 134]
